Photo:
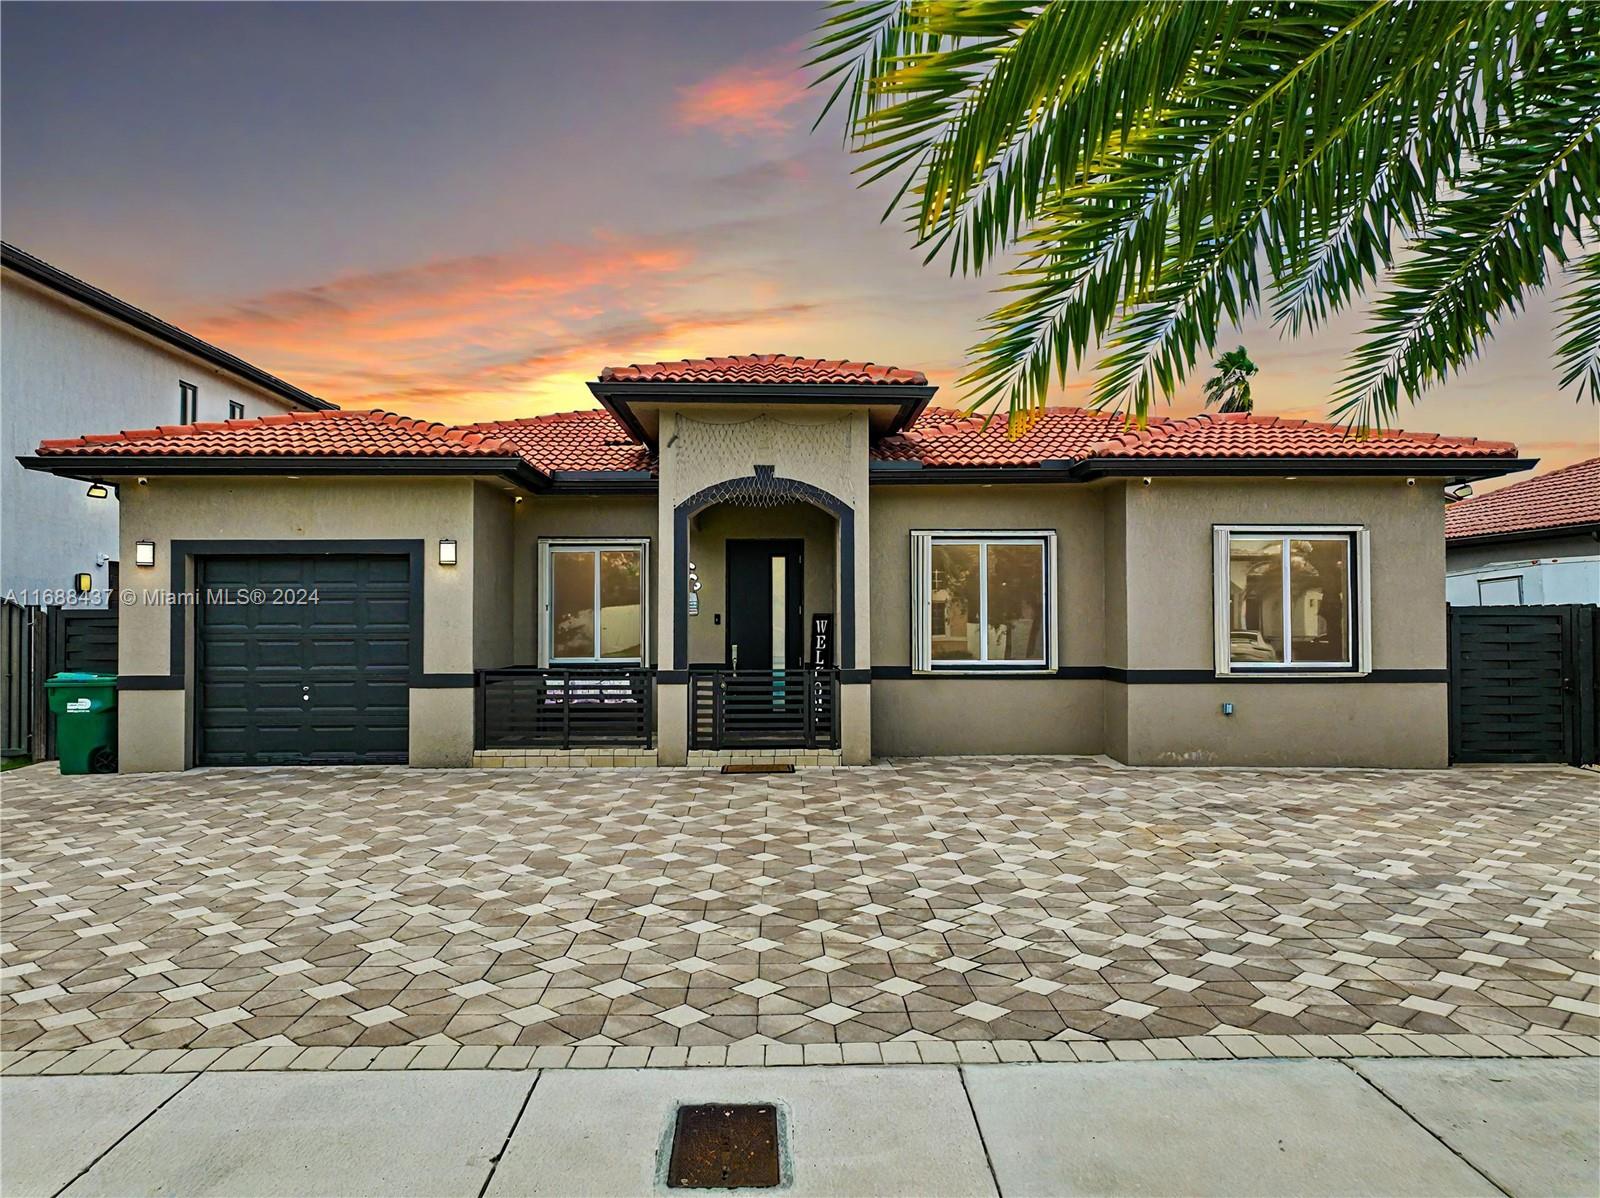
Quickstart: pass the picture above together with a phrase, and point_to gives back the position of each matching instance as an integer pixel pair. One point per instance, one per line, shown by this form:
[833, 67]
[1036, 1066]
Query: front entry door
[765, 604]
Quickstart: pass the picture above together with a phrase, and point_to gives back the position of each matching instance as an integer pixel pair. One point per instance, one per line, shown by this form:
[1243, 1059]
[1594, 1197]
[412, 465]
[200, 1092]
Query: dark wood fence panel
[1523, 684]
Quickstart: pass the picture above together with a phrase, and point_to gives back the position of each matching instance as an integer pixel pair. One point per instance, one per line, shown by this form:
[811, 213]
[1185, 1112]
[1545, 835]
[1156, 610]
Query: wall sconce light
[82, 584]
[99, 491]
[447, 551]
[144, 553]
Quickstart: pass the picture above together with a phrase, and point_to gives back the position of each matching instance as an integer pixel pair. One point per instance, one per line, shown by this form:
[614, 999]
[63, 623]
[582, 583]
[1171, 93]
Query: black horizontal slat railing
[524, 707]
[772, 709]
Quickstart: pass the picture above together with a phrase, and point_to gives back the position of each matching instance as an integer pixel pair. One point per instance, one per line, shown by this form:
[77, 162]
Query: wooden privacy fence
[36, 642]
[1525, 684]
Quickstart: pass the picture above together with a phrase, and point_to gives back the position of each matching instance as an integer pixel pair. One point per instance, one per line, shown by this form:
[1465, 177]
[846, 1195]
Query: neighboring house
[73, 357]
[1534, 542]
[781, 558]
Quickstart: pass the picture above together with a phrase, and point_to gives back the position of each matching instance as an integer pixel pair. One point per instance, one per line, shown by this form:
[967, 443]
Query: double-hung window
[1291, 599]
[594, 599]
[983, 601]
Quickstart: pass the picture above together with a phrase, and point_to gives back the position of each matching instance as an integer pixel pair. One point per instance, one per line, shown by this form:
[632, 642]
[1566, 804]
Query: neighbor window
[594, 599]
[1290, 598]
[982, 600]
[235, 410]
[188, 403]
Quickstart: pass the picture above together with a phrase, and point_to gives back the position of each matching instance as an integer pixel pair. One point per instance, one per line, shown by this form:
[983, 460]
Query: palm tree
[1149, 168]
[1230, 386]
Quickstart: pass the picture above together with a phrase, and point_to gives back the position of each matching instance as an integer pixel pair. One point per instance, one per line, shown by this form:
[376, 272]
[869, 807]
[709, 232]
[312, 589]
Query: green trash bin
[85, 706]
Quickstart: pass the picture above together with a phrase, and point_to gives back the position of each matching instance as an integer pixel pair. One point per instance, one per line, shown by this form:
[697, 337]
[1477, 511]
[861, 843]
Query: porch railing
[524, 707]
[769, 709]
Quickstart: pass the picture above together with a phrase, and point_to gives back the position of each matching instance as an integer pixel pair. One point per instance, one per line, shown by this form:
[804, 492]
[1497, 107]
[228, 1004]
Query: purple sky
[463, 211]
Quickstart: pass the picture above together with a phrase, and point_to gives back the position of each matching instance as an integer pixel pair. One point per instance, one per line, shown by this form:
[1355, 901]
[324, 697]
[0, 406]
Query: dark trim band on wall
[1152, 677]
[799, 491]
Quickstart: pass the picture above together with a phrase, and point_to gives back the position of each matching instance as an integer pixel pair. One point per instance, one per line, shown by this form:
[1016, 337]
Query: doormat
[774, 768]
[719, 1146]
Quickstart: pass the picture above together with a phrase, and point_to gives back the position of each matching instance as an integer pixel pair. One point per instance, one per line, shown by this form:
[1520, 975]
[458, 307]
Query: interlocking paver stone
[634, 915]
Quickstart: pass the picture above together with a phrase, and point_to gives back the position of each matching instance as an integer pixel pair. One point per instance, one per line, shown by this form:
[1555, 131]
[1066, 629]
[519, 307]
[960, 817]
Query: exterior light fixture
[447, 551]
[99, 491]
[144, 553]
[82, 584]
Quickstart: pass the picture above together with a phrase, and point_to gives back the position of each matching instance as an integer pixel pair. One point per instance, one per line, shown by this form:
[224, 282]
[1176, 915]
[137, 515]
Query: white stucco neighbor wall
[66, 371]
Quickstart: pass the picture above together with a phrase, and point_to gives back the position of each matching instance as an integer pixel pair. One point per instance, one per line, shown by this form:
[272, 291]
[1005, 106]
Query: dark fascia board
[1088, 470]
[90, 296]
[617, 397]
[892, 473]
[92, 468]
[603, 482]
[1455, 469]
[1526, 534]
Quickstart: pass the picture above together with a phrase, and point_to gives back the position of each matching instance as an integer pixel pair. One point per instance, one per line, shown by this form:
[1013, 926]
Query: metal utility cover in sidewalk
[724, 1146]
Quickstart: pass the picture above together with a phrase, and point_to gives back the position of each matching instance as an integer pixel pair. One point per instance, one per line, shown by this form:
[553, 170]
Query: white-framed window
[983, 601]
[1292, 598]
[594, 600]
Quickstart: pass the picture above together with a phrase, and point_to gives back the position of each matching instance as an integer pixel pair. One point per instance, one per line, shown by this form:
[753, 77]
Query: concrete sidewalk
[1391, 1127]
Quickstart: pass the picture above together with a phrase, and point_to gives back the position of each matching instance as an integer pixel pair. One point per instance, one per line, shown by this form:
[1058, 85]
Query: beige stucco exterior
[1133, 599]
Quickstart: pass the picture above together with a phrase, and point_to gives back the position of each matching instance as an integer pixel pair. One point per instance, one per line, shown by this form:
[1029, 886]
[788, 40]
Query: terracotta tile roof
[291, 434]
[943, 438]
[762, 368]
[592, 440]
[587, 440]
[1564, 498]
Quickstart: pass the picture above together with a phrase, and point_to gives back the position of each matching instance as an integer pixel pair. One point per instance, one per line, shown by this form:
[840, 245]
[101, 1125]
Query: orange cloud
[498, 335]
[743, 100]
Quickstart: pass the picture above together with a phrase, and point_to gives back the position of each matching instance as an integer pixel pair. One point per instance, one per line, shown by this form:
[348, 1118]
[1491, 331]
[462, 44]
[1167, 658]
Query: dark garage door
[311, 683]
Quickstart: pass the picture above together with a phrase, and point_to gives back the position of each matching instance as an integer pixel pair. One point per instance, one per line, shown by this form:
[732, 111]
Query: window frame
[1360, 616]
[547, 547]
[923, 541]
[188, 402]
[235, 410]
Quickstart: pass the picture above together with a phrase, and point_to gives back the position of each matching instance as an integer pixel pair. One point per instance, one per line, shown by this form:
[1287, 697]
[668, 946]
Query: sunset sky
[464, 211]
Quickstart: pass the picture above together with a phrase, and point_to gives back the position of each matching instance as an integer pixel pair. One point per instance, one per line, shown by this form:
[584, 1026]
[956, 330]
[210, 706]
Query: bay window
[983, 601]
[594, 596]
[1291, 599]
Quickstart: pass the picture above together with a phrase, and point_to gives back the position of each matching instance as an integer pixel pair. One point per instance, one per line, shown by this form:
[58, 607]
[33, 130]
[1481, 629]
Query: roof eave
[617, 396]
[1452, 469]
[102, 467]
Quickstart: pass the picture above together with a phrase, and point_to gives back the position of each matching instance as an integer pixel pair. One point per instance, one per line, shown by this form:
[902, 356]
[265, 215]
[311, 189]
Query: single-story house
[777, 558]
[1534, 542]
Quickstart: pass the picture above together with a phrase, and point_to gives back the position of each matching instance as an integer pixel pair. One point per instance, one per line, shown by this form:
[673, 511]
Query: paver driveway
[959, 899]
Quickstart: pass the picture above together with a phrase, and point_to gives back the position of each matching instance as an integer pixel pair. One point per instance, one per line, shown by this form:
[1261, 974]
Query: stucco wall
[702, 445]
[964, 715]
[1165, 580]
[66, 371]
[278, 512]
[1168, 560]
[546, 516]
[708, 537]
[493, 571]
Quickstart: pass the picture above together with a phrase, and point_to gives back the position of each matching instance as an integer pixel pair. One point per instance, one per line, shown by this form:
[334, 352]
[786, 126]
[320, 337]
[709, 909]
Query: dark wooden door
[751, 582]
[1525, 684]
[310, 663]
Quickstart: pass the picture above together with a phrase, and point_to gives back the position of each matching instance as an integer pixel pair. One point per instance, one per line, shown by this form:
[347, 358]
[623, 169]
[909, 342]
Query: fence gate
[1525, 684]
[36, 642]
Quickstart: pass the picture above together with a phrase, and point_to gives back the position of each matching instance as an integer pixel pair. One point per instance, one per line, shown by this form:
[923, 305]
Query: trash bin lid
[80, 676]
